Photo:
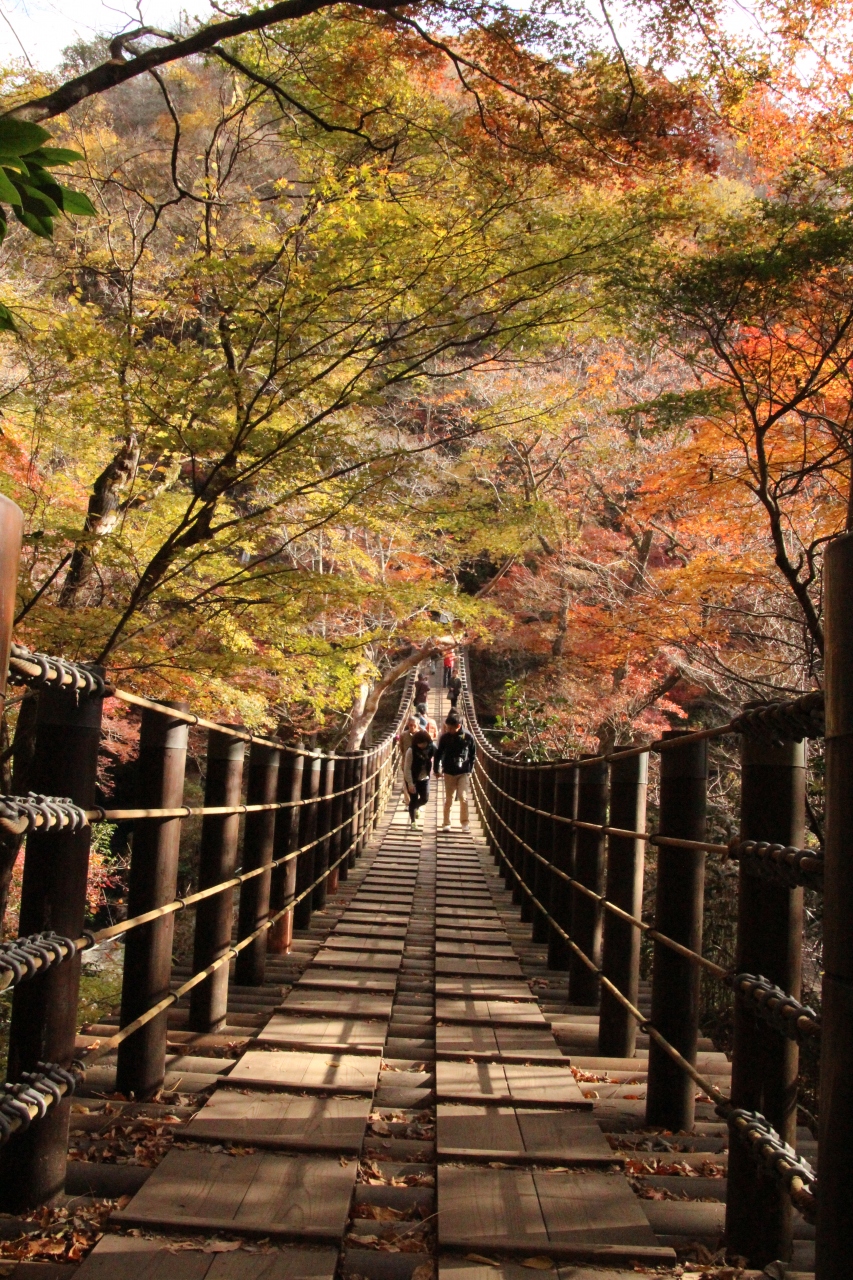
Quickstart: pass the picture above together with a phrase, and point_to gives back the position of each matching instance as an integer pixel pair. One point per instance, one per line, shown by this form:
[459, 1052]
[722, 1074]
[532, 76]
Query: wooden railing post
[503, 834]
[336, 843]
[258, 844]
[283, 882]
[617, 1030]
[589, 871]
[307, 833]
[348, 818]
[835, 1136]
[527, 831]
[678, 913]
[560, 897]
[543, 843]
[759, 1223]
[53, 896]
[324, 826]
[217, 861]
[516, 788]
[152, 882]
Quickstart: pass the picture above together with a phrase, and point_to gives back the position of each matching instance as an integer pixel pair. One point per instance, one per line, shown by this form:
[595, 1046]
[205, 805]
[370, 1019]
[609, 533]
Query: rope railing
[329, 804]
[764, 1145]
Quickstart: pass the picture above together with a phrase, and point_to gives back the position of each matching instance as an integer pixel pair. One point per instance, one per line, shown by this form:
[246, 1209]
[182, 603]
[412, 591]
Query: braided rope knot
[25, 957]
[784, 721]
[773, 1005]
[75, 677]
[780, 863]
[54, 811]
[774, 1156]
[38, 1089]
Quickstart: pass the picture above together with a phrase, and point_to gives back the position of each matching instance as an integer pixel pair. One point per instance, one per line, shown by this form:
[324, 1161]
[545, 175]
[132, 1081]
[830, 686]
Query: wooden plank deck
[420, 1030]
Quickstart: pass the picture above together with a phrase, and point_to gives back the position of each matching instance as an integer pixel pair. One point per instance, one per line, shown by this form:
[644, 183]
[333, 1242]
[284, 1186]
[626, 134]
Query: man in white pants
[454, 758]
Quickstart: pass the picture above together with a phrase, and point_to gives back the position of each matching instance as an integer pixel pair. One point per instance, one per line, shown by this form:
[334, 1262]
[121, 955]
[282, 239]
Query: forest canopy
[370, 325]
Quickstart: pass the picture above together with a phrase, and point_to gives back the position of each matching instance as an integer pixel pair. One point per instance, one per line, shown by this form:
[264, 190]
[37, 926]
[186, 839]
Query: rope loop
[775, 1157]
[783, 1012]
[784, 721]
[74, 677]
[780, 863]
[42, 813]
[20, 957]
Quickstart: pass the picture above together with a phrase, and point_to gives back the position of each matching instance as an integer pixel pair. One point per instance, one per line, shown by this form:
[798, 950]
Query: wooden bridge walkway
[413, 1096]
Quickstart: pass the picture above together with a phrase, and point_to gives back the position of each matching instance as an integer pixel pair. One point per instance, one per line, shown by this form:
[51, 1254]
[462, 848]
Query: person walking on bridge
[449, 662]
[421, 687]
[454, 758]
[455, 689]
[417, 767]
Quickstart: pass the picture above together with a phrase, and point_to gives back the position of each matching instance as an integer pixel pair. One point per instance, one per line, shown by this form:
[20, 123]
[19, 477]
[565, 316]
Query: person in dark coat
[454, 758]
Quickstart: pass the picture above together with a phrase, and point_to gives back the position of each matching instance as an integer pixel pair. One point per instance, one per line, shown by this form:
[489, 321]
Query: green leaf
[39, 226]
[76, 202]
[8, 191]
[7, 320]
[36, 201]
[17, 137]
[54, 155]
[14, 162]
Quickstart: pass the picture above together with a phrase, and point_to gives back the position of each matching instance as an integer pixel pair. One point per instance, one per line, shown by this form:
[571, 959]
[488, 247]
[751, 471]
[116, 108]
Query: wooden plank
[491, 1013]
[495, 936]
[282, 1120]
[489, 1205]
[484, 989]
[456, 967]
[487, 1209]
[457, 1268]
[347, 1004]
[343, 1035]
[482, 951]
[347, 980]
[333, 958]
[595, 1208]
[465, 1039]
[521, 1136]
[509, 1085]
[329, 1072]
[372, 942]
[347, 928]
[133, 1258]
[299, 1196]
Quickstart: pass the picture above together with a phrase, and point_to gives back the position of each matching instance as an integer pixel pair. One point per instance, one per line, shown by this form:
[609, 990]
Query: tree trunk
[366, 704]
[101, 518]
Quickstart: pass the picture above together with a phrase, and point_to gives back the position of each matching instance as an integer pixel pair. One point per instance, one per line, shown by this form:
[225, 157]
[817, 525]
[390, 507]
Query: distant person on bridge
[455, 689]
[455, 759]
[417, 766]
[412, 726]
[425, 721]
[421, 687]
[449, 663]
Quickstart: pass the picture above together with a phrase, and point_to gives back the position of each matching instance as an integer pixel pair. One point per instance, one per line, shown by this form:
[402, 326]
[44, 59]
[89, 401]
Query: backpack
[455, 752]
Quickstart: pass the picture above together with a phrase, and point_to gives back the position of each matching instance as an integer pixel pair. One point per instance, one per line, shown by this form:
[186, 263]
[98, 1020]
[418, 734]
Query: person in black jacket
[454, 758]
[455, 690]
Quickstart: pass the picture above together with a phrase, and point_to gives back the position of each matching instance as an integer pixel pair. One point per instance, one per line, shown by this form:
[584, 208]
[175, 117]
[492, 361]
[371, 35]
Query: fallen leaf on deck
[478, 1257]
[539, 1263]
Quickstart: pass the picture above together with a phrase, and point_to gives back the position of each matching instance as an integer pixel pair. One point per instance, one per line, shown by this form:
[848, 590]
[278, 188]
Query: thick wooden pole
[589, 870]
[283, 883]
[53, 896]
[311, 771]
[678, 913]
[217, 861]
[152, 882]
[528, 792]
[560, 897]
[324, 826]
[759, 1223]
[517, 782]
[543, 844]
[617, 1030]
[336, 844]
[348, 818]
[835, 1136]
[258, 845]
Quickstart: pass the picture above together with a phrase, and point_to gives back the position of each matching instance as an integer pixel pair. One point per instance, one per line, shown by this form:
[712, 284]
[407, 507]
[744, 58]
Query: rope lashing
[773, 1005]
[30, 1097]
[784, 721]
[32, 812]
[73, 676]
[779, 1160]
[25, 957]
[780, 863]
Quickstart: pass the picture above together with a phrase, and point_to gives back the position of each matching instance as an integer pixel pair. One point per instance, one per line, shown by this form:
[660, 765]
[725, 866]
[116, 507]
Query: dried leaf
[478, 1257]
[538, 1263]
